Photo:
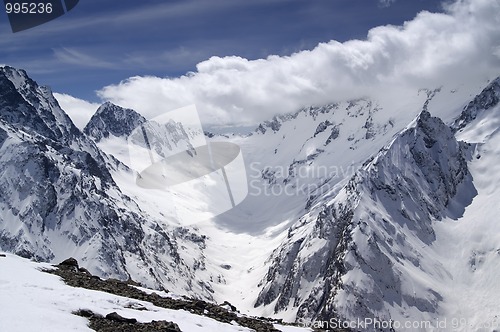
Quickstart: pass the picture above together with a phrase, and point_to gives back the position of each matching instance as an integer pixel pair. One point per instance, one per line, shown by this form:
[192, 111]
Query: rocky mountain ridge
[58, 198]
[110, 119]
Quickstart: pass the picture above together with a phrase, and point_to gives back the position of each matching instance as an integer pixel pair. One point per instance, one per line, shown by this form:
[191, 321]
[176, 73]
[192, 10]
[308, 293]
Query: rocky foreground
[75, 276]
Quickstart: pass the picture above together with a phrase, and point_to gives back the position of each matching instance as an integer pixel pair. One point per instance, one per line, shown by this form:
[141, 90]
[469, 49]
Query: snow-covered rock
[380, 249]
[487, 99]
[59, 199]
[110, 119]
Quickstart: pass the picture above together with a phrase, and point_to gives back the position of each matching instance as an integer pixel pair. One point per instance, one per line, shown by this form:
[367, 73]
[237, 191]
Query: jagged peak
[416, 176]
[27, 105]
[19, 79]
[22, 81]
[312, 111]
[106, 106]
[424, 127]
[11, 71]
[430, 124]
[495, 83]
[109, 107]
[111, 119]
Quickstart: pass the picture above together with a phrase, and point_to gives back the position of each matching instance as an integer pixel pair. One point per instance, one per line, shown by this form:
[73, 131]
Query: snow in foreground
[32, 299]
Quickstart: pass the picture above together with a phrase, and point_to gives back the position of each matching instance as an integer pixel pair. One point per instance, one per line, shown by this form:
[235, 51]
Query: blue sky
[103, 42]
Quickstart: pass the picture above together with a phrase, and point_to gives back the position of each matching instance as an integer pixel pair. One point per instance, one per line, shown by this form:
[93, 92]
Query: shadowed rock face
[26, 105]
[58, 198]
[357, 237]
[487, 99]
[114, 120]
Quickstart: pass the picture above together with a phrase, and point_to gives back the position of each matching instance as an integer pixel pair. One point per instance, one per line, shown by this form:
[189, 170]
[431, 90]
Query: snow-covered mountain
[385, 246]
[359, 209]
[349, 254]
[110, 119]
[58, 199]
[37, 297]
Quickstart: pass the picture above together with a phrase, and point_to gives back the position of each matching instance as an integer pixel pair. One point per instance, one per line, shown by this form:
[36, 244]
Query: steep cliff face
[349, 259]
[58, 199]
[486, 100]
[25, 104]
[110, 119]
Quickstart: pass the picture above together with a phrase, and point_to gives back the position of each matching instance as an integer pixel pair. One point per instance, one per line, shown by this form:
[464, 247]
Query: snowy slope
[39, 299]
[381, 247]
[470, 248]
[296, 164]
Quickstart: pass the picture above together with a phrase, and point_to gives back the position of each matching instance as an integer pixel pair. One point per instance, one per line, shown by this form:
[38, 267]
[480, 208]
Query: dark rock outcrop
[487, 99]
[114, 322]
[114, 120]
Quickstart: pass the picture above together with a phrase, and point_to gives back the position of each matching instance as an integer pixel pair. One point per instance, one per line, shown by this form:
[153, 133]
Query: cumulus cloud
[431, 50]
[80, 111]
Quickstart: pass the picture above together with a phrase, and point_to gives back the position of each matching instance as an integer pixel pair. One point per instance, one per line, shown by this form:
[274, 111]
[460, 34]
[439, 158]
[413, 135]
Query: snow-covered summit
[110, 119]
[27, 106]
[58, 199]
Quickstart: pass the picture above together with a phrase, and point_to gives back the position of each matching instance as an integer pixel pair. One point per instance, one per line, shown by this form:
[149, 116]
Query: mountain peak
[110, 119]
[15, 74]
[26, 105]
[408, 185]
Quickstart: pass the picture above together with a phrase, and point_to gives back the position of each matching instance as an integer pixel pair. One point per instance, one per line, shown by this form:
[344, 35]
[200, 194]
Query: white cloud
[429, 51]
[80, 111]
[386, 3]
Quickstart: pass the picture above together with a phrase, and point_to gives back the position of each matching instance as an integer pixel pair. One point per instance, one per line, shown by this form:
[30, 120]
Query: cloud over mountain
[461, 45]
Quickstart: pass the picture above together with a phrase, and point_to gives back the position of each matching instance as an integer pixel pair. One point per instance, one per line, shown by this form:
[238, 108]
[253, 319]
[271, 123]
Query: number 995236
[28, 8]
